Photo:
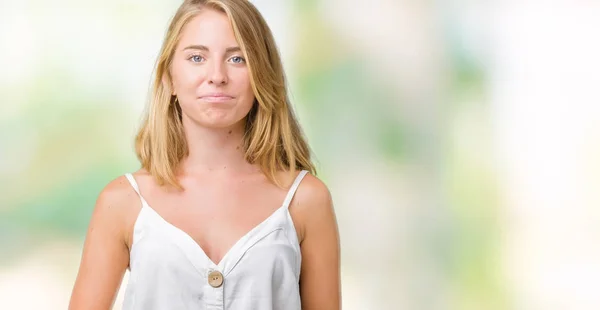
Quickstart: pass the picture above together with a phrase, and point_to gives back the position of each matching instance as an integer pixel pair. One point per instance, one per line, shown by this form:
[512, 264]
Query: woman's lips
[216, 98]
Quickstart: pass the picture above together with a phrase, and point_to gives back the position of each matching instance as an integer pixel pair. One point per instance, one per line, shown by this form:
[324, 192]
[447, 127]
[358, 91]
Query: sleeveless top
[169, 270]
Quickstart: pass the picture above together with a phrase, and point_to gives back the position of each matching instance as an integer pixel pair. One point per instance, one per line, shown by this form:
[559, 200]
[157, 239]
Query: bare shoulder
[312, 205]
[312, 193]
[116, 190]
[117, 193]
[106, 248]
[116, 206]
[320, 246]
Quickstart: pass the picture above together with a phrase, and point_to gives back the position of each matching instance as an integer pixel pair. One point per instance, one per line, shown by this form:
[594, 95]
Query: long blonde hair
[273, 138]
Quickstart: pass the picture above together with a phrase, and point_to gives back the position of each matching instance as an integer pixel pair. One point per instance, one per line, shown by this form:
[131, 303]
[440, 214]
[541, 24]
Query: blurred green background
[460, 141]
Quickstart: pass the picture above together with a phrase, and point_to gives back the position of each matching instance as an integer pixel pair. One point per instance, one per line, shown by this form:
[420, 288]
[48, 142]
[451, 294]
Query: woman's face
[210, 75]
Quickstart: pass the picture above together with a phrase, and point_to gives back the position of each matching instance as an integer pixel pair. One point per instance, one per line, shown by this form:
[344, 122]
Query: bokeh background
[460, 141]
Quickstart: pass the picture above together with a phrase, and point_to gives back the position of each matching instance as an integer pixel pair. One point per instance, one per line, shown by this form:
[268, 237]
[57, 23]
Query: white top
[169, 270]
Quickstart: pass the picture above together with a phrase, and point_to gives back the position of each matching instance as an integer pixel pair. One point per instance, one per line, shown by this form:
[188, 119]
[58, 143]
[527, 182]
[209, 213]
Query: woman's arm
[105, 252]
[320, 286]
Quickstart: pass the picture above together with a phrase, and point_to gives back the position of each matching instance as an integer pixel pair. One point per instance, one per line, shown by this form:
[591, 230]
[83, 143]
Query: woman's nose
[217, 75]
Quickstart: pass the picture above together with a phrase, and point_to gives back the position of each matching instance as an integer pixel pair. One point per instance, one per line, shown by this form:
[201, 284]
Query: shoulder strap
[290, 194]
[133, 183]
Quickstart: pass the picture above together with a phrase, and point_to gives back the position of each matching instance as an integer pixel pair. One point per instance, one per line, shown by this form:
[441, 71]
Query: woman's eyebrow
[206, 49]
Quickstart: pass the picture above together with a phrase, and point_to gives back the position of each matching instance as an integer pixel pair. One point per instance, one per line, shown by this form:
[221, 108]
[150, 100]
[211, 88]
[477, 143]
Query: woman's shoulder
[313, 193]
[117, 203]
[312, 204]
[117, 192]
[311, 190]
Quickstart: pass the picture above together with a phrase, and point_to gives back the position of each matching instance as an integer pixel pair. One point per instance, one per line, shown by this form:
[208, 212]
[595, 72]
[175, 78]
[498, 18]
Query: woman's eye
[196, 58]
[237, 59]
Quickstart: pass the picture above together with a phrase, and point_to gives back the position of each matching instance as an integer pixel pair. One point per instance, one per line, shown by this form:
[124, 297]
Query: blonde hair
[273, 138]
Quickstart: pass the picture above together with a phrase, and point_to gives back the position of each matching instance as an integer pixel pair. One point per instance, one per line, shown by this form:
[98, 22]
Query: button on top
[215, 278]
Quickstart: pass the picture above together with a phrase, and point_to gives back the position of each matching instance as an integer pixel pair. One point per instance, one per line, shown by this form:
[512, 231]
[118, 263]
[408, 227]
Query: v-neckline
[190, 242]
[193, 241]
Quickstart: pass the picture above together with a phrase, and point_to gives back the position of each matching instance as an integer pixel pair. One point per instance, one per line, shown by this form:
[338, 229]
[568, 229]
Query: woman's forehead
[211, 29]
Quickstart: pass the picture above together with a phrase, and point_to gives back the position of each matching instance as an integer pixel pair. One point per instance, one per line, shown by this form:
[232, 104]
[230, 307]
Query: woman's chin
[214, 118]
[216, 122]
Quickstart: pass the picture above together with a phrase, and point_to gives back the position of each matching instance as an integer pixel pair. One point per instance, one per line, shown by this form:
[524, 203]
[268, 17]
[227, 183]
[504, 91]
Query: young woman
[225, 212]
